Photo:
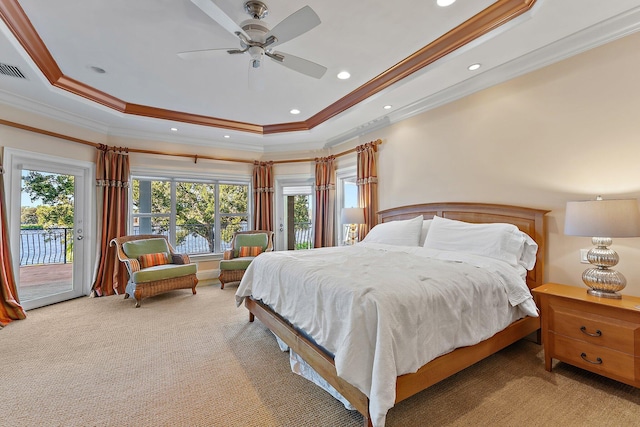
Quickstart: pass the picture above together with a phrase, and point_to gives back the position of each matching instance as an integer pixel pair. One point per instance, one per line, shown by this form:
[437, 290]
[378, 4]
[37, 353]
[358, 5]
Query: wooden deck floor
[36, 281]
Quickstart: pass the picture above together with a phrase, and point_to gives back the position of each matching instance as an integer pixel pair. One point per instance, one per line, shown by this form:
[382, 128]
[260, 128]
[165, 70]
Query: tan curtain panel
[325, 188]
[10, 308]
[367, 182]
[112, 183]
[263, 196]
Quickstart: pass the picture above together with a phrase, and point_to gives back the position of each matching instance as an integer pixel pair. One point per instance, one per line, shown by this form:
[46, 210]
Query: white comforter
[384, 311]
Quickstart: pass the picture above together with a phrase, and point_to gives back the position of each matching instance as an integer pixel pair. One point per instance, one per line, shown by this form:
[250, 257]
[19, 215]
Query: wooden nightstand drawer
[600, 360]
[599, 330]
[601, 335]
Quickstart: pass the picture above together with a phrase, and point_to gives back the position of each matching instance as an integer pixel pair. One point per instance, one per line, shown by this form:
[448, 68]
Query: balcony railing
[46, 246]
[195, 238]
[303, 235]
[55, 245]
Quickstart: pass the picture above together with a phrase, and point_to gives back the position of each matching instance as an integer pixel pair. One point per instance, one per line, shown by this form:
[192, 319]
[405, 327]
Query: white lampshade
[352, 216]
[603, 218]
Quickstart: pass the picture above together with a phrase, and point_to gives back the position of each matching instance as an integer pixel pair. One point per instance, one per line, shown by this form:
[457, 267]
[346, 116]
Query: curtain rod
[196, 157]
[352, 150]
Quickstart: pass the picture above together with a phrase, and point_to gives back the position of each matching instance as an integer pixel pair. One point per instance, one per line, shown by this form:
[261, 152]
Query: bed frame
[530, 221]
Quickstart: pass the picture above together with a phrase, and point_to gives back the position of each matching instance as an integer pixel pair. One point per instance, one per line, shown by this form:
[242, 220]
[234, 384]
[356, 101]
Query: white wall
[569, 131]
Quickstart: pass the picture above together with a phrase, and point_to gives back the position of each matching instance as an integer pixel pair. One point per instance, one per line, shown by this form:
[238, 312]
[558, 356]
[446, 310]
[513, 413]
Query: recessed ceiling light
[343, 75]
[473, 67]
[227, 136]
[174, 129]
[387, 107]
[445, 3]
[295, 111]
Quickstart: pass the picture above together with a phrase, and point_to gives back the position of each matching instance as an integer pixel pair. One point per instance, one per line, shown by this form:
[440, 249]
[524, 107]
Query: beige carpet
[184, 360]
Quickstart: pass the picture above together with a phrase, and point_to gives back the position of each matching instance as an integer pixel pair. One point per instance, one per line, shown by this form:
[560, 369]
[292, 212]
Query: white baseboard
[206, 277]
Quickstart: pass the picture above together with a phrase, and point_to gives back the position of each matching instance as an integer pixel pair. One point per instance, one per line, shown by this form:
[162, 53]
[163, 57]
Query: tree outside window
[198, 217]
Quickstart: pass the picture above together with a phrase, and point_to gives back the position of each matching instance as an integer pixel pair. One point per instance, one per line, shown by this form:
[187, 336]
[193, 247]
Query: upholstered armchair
[153, 266]
[245, 246]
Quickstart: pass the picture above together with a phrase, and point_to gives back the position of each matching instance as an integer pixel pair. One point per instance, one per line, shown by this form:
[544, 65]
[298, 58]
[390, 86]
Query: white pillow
[528, 257]
[496, 240]
[423, 232]
[399, 233]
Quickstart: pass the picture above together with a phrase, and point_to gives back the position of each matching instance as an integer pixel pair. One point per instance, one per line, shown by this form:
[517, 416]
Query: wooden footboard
[406, 385]
[321, 362]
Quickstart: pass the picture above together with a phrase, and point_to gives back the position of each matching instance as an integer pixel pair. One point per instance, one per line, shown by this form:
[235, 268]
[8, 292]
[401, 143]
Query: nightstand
[600, 335]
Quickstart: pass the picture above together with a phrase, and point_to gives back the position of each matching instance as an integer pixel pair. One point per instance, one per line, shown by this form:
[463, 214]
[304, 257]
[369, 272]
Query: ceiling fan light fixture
[256, 52]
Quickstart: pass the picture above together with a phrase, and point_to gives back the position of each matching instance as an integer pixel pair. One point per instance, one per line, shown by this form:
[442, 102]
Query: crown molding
[499, 13]
[597, 35]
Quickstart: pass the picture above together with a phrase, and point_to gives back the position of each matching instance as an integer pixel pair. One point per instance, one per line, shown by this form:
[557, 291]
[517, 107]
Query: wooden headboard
[530, 221]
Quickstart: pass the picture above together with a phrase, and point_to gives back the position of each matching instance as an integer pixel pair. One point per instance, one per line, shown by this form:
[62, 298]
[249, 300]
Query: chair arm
[132, 264]
[228, 254]
[180, 259]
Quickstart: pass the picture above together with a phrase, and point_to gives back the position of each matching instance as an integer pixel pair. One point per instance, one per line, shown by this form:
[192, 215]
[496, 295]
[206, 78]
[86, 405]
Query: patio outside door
[49, 229]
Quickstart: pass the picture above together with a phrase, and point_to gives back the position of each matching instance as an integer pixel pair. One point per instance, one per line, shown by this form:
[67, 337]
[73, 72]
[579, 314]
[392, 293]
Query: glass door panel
[50, 201]
[46, 234]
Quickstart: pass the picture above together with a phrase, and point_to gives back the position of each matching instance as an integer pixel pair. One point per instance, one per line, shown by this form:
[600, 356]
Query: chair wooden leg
[137, 294]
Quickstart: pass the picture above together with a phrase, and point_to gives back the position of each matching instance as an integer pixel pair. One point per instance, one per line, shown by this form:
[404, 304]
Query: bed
[322, 357]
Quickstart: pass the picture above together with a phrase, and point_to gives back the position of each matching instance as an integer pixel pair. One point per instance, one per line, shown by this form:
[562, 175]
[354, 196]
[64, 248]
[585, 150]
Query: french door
[50, 229]
[294, 213]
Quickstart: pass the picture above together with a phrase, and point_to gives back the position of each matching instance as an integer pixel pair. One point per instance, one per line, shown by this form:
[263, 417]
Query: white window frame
[173, 178]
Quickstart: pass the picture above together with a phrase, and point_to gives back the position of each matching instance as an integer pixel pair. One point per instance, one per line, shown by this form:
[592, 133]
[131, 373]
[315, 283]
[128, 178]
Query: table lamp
[352, 217]
[601, 220]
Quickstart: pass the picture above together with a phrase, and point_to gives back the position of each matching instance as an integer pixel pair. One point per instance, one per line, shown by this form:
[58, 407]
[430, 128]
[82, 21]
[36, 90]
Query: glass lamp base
[604, 294]
[604, 282]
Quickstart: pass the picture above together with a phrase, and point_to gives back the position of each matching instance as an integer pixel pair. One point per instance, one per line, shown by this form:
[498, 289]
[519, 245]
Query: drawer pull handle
[597, 334]
[597, 362]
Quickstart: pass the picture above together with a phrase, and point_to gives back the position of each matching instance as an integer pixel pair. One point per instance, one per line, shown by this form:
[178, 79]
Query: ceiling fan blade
[218, 15]
[203, 54]
[294, 25]
[300, 65]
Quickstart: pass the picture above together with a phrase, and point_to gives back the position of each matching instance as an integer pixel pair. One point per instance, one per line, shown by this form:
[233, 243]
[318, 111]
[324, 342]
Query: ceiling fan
[258, 41]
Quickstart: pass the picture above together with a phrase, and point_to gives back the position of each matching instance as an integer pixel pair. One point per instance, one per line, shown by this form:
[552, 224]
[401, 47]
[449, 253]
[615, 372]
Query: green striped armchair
[153, 266]
[245, 246]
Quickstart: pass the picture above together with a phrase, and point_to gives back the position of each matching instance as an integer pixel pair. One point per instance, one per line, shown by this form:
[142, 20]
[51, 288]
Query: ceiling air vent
[11, 70]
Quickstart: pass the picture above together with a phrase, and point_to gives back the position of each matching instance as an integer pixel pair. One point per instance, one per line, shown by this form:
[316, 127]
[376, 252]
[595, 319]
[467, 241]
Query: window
[346, 197]
[197, 216]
